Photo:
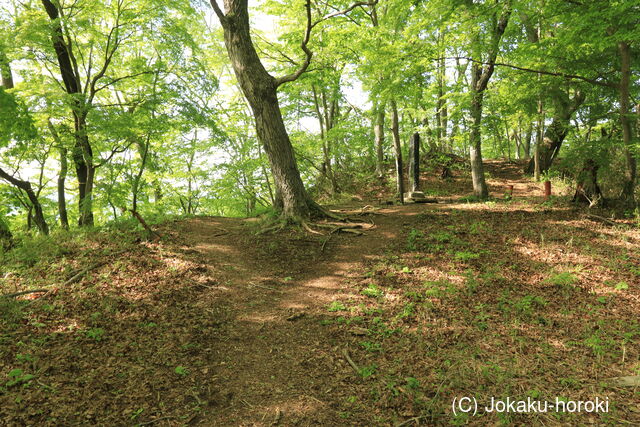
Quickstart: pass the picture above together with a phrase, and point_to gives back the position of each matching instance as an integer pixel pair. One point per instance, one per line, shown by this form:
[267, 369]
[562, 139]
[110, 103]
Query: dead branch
[345, 353]
[17, 294]
[601, 219]
[144, 224]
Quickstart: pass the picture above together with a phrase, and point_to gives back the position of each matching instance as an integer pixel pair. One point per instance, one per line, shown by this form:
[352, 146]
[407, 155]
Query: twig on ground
[75, 278]
[602, 219]
[345, 353]
[17, 294]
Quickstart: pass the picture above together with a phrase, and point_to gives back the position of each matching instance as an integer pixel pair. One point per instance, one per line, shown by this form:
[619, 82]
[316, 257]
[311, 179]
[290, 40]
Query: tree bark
[628, 188]
[62, 176]
[260, 90]
[378, 131]
[5, 71]
[480, 76]
[25, 186]
[480, 189]
[395, 130]
[555, 134]
[6, 238]
[82, 152]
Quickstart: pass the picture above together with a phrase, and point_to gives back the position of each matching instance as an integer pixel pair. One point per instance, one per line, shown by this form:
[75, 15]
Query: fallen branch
[76, 277]
[142, 222]
[602, 219]
[17, 294]
[345, 353]
[73, 279]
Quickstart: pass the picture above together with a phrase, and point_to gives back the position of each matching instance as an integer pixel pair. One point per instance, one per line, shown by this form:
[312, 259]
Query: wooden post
[547, 190]
[414, 162]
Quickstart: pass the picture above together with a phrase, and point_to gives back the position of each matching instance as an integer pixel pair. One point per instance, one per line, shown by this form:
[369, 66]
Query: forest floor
[217, 326]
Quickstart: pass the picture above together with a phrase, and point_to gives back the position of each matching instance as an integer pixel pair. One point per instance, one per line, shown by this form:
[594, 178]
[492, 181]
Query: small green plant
[408, 310]
[412, 383]
[527, 304]
[137, 413]
[621, 286]
[371, 346]
[181, 370]
[465, 256]
[17, 377]
[372, 291]
[414, 239]
[478, 227]
[438, 288]
[95, 334]
[442, 237]
[564, 279]
[336, 306]
[367, 371]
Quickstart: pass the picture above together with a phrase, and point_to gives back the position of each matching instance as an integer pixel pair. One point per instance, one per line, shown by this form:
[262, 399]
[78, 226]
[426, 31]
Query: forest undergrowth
[214, 324]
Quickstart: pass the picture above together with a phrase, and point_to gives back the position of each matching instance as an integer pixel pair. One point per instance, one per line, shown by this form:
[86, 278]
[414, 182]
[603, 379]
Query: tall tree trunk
[6, 238]
[260, 90]
[527, 142]
[82, 153]
[555, 134]
[480, 189]
[480, 75]
[378, 130]
[395, 130]
[62, 176]
[627, 128]
[5, 71]
[62, 202]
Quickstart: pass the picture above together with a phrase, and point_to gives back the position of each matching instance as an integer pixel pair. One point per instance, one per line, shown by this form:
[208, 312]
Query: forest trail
[218, 326]
[274, 356]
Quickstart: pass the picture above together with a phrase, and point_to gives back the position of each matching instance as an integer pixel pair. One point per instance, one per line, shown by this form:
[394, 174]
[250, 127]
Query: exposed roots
[318, 213]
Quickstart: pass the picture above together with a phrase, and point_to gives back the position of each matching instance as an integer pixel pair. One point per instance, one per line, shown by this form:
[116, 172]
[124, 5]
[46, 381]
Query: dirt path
[274, 358]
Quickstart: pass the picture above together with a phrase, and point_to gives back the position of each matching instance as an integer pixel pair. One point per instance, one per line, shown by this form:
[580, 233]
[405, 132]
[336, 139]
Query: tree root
[277, 227]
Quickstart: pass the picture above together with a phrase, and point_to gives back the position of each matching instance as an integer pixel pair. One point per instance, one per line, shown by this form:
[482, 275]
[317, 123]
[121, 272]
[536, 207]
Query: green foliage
[182, 371]
[96, 334]
[336, 306]
[18, 377]
[372, 290]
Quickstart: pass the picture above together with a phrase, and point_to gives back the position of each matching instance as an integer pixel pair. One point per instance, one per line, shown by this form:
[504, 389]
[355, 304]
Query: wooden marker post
[547, 190]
